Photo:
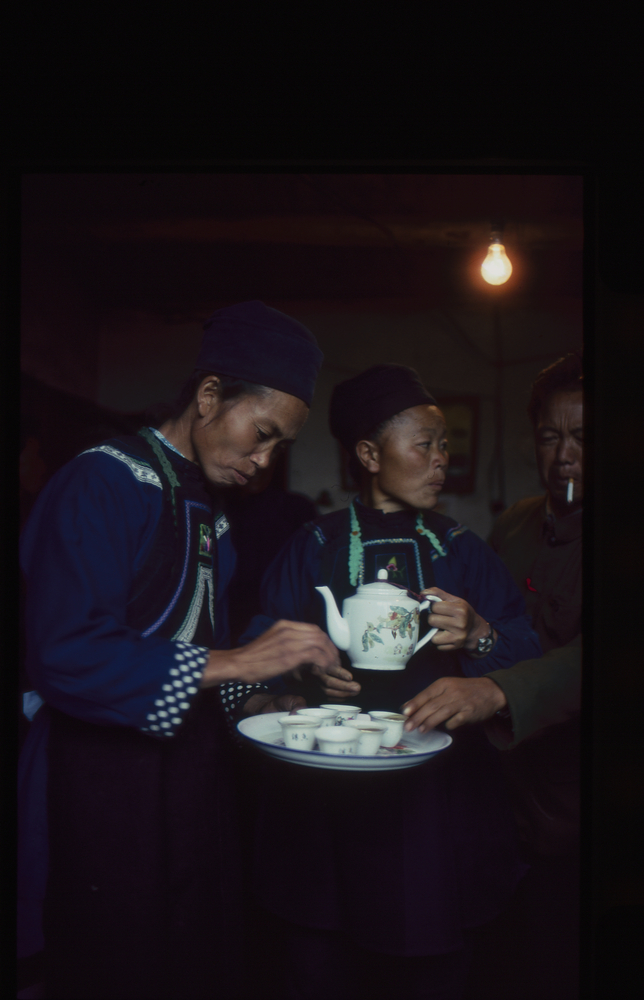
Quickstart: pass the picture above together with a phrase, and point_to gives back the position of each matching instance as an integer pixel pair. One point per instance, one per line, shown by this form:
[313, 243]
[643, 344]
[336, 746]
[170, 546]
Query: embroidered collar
[163, 440]
[189, 471]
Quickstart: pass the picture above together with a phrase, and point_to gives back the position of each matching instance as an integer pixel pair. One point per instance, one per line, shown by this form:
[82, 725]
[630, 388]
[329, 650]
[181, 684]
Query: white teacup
[395, 723]
[356, 722]
[299, 731]
[337, 739]
[325, 716]
[371, 736]
[344, 712]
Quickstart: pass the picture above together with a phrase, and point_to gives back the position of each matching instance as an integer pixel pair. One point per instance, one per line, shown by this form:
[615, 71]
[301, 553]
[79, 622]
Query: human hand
[281, 649]
[458, 699]
[263, 702]
[460, 625]
[336, 682]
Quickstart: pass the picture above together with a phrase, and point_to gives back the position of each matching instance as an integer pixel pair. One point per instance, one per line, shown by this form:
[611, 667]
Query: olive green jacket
[544, 557]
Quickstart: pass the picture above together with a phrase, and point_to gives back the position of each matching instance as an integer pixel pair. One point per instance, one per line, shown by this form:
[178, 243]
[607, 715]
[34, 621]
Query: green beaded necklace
[153, 441]
[356, 548]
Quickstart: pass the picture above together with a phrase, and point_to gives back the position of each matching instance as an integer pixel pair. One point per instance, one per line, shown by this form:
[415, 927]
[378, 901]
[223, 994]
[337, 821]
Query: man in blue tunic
[125, 793]
[395, 870]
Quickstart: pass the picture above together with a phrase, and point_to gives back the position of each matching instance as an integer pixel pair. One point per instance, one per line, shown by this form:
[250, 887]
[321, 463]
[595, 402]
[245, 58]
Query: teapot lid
[382, 587]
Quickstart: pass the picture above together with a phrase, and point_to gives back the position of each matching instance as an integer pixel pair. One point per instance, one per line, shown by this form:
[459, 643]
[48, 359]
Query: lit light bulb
[496, 268]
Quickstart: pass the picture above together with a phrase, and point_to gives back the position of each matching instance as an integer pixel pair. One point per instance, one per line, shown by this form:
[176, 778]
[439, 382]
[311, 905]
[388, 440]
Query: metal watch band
[485, 644]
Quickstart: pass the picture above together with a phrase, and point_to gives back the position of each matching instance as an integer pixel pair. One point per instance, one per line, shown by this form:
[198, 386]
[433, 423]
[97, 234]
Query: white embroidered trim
[189, 626]
[182, 686]
[140, 470]
[221, 525]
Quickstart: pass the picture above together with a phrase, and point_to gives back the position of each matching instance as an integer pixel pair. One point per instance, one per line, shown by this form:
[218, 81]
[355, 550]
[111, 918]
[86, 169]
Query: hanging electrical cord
[495, 269]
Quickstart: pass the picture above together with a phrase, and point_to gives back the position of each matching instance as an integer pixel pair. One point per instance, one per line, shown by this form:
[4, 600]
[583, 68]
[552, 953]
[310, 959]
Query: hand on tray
[455, 699]
[336, 682]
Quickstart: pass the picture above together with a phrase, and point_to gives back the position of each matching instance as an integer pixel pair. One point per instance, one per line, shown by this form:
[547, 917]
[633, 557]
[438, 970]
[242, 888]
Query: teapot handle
[432, 632]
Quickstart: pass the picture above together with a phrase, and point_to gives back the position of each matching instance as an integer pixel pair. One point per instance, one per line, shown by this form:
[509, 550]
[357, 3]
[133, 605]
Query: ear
[369, 455]
[208, 395]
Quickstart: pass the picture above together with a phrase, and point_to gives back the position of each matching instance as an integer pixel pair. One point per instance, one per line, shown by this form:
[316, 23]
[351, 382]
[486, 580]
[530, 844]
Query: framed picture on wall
[462, 419]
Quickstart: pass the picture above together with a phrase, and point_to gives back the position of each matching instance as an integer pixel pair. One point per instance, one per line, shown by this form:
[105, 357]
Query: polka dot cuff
[234, 696]
[177, 693]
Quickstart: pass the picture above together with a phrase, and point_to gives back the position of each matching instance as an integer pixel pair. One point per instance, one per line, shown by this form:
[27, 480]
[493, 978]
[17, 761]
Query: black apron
[399, 862]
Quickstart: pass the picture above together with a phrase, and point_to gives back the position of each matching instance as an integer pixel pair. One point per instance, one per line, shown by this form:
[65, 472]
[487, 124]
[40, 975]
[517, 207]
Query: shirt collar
[191, 470]
[164, 440]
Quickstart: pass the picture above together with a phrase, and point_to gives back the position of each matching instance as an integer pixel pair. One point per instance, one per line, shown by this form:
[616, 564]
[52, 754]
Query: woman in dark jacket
[388, 873]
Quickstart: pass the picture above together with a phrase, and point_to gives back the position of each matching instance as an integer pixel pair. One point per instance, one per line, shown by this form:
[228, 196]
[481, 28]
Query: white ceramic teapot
[378, 627]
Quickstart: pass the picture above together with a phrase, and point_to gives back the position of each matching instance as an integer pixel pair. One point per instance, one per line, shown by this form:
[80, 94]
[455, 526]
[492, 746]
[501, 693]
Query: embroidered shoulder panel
[221, 525]
[453, 532]
[141, 470]
[329, 527]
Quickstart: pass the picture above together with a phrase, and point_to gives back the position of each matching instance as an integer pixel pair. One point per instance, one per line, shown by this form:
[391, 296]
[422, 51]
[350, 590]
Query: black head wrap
[363, 402]
[259, 344]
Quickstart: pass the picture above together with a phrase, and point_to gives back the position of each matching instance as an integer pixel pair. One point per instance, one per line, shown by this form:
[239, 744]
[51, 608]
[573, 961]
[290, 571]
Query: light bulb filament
[496, 268]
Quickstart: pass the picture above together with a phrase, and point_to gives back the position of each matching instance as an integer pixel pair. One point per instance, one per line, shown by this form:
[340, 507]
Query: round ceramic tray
[265, 732]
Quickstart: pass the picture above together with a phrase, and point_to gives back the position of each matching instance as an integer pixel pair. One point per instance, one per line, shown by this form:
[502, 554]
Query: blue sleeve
[87, 536]
[473, 571]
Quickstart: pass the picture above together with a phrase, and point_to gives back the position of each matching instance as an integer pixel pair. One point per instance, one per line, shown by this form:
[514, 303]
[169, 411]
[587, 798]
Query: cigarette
[569, 491]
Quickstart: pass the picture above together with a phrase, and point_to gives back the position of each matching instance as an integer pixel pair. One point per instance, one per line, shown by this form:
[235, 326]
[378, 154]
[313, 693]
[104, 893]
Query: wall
[59, 331]
[143, 358]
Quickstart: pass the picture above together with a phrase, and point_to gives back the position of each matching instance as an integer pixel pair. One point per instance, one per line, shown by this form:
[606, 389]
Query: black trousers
[318, 965]
[143, 898]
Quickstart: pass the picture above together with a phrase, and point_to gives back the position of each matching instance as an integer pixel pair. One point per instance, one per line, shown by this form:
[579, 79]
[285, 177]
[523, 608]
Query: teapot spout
[337, 627]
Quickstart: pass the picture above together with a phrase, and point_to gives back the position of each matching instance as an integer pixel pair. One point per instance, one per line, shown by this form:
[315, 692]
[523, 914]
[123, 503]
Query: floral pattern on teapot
[401, 621]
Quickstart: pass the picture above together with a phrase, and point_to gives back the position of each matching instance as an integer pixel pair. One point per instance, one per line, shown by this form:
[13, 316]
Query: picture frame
[462, 418]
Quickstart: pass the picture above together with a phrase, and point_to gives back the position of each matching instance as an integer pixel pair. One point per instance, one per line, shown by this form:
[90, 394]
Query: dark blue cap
[360, 403]
[259, 344]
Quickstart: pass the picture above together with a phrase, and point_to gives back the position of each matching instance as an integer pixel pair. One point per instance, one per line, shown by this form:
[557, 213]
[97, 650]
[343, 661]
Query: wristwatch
[485, 644]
